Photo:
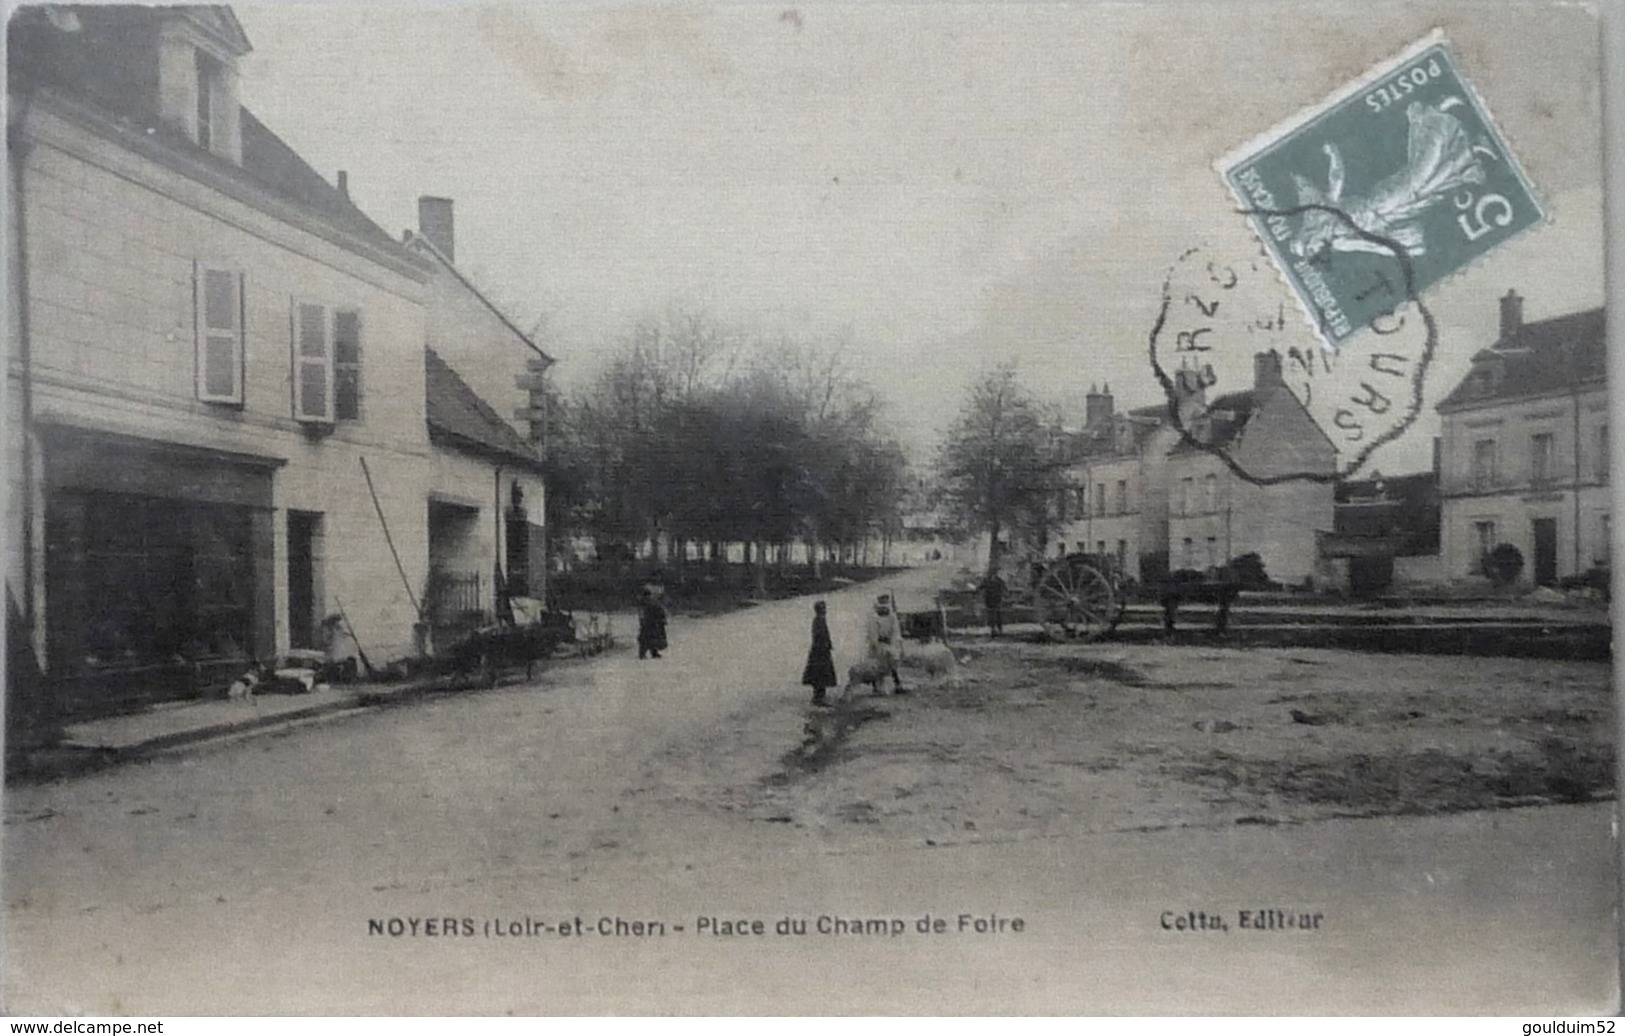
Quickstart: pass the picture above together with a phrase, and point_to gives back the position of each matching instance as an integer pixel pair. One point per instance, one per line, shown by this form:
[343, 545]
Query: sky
[956, 185]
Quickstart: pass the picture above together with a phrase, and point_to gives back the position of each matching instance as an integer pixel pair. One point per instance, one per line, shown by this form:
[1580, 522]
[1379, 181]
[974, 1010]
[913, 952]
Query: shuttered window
[326, 363]
[218, 306]
[312, 364]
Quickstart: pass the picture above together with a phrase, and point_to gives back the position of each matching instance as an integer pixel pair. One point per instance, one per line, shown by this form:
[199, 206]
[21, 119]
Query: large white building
[1524, 449]
[223, 420]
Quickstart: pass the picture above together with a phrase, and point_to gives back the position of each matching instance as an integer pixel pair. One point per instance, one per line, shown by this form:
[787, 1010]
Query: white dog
[243, 688]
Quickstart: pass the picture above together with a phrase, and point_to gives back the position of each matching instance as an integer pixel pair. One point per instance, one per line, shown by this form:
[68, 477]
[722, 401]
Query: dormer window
[210, 87]
[197, 78]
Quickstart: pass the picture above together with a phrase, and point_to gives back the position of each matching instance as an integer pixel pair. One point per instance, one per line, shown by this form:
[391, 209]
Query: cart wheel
[1077, 600]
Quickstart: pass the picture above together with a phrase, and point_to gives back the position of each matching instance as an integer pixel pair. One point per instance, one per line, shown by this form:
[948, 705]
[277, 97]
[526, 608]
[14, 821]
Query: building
[223, 427]
[1217, 513]
[1524, 449]
[1385, 532]
[1115, 503]
[487, 503]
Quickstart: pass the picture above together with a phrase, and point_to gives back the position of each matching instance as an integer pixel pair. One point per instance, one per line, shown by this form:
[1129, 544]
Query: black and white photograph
[815, 509]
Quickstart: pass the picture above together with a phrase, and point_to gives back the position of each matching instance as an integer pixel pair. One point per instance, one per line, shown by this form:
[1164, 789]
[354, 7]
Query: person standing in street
[885, 640]
[819, 672]
[993, 598]
[651, 625]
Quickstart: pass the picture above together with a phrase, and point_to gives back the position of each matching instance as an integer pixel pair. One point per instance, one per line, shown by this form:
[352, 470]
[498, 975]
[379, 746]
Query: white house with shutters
[218, 425]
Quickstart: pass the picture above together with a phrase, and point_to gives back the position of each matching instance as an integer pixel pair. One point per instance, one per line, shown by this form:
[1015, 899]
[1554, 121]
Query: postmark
[1225, 338]
[1370, 198]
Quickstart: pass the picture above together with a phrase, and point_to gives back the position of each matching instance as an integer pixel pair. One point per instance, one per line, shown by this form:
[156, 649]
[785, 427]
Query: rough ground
[1030, 740]
[254, 877]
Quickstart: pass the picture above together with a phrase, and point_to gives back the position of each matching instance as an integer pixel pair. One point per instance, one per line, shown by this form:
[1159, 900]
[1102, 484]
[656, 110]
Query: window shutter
[346, 364]
[218, 316]
[312, 364]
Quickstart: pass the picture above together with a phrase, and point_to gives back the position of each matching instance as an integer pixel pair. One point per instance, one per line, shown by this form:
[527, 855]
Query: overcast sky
[957, 183]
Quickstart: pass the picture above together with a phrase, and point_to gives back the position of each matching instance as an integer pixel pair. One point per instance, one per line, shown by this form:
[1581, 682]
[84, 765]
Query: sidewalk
[96, 743]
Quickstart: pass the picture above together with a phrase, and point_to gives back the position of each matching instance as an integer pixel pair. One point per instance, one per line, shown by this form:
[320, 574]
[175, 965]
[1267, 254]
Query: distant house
[1115, 503]
[1144, 493]
[1385, 531]
[206, 343]
[1216, 514]
[1525, 449]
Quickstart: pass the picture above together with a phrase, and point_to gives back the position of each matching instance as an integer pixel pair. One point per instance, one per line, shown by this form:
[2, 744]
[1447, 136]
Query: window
[1602, 453]
[1083, 501]
[1100, 498]
[1062, 499]
[1605, 539]
[1484, 464]
[208, 100]
[218, 323]
[1540, 458]
[327, 363]
[1486, 541]
[1185, 485]
[1060, 549]
[1212, 551]
[1122, 555]
[1122, 496]
[1188, 557]
[346, 364]
[1100, 546]
[1210, 493]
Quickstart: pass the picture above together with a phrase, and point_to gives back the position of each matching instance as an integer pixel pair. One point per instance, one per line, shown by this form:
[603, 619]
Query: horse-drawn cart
[1082, 596]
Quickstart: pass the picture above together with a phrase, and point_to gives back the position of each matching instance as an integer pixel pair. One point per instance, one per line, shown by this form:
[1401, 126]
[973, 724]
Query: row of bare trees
[692, 433]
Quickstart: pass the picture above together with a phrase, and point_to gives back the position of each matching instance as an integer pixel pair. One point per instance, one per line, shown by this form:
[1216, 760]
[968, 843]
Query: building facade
[218, 433]
[1115, 503]
[1217, 513]
[1524, 450]
[1145, 493]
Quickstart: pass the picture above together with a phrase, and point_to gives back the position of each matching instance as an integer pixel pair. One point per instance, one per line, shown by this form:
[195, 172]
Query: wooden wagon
[1080, 595]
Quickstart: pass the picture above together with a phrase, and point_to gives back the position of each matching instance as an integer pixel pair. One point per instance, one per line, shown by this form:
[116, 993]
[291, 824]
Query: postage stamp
[1394, 184]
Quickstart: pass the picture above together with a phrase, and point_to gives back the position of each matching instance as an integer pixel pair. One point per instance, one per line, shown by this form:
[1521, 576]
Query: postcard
[812, 509]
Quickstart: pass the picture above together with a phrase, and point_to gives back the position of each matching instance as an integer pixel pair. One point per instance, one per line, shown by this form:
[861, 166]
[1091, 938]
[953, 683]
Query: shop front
[158, 569]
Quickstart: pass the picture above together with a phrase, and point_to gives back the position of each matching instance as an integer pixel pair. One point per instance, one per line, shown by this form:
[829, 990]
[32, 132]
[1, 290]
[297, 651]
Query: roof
[1535, 360]
[456, 413]
[428, 247]
[109, 65]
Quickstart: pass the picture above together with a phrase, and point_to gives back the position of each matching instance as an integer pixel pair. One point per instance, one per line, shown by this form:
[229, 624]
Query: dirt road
[272, 876]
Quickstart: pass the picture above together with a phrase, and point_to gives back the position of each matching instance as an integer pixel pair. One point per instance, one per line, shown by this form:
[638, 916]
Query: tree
[1000, 465]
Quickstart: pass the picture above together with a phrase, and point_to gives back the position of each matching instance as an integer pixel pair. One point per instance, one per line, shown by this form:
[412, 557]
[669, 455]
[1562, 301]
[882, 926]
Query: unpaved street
[1107, 799]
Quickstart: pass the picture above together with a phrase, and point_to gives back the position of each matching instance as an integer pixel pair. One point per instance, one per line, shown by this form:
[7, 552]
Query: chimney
[1267, 370]
[435, 223]
[1190, 393]
[344, 184]
[1511, 314]
[1097, 406]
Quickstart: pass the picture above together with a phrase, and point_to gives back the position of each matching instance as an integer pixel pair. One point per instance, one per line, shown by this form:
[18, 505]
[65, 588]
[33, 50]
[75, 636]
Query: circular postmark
[1234, 355]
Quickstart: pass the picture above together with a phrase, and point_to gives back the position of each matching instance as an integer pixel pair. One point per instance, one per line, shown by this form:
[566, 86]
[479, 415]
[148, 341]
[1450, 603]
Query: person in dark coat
[993, 597]
[819, 673]
[651, 626]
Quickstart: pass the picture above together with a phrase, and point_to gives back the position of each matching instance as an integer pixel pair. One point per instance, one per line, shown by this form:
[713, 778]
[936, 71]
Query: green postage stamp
[1392, 185]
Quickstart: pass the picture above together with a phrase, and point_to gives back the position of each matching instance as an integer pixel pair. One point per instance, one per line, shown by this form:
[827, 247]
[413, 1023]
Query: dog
[869, 671]
[243, 688]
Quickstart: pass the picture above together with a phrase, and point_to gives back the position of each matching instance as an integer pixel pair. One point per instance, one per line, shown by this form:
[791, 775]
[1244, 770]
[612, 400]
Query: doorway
[1545, 530]
[304, 569]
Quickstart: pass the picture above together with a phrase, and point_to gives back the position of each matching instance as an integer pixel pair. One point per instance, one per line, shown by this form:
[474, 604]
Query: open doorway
[304, 578]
